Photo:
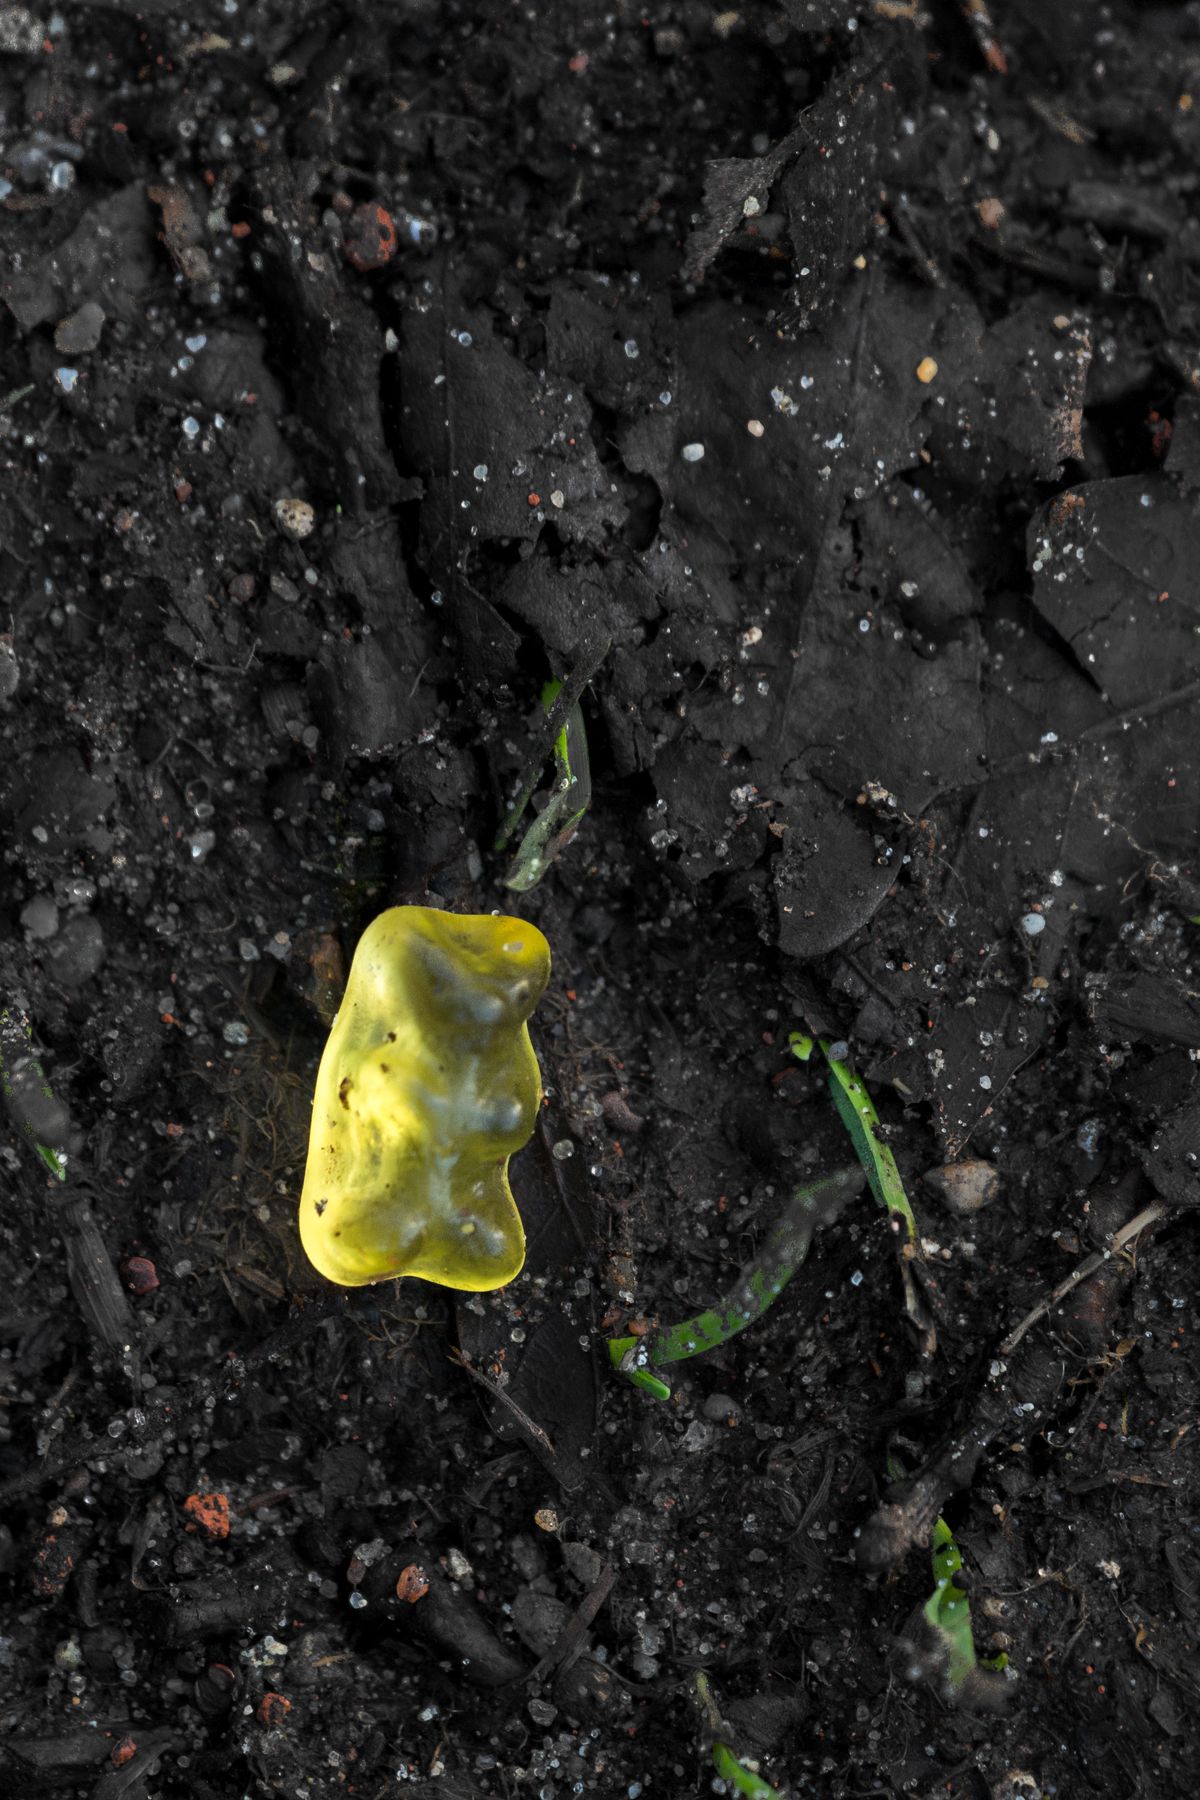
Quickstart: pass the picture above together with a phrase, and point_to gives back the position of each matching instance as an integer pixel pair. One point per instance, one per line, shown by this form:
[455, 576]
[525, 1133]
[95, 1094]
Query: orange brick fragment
[412, 1584]
[273, 1709]
[208, 1513]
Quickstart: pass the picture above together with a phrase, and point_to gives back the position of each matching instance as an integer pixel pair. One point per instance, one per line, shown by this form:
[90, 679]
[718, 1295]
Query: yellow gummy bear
[427, 1086]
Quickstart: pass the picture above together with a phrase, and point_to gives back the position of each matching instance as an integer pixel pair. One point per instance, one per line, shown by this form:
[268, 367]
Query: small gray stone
[80, 331]
[637, 1550]
[584, 1563]
[722, 1409]
[40, 917]
[77, 952]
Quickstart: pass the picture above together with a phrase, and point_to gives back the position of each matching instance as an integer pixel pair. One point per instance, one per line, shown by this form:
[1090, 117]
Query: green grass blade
[54, 1160]
[22, 1083]
[557, 824]
[857, 1112]
[948, 1611]
[742, 1779]
[760, 1284]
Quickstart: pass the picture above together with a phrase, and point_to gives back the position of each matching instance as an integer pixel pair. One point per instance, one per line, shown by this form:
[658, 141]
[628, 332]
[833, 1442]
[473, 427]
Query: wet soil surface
[815, 389]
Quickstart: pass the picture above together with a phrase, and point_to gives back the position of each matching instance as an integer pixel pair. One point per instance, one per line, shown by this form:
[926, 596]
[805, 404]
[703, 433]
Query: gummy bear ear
[485, 971]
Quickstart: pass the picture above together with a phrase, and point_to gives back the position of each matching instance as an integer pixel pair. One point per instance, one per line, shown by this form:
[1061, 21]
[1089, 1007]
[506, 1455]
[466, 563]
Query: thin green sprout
[729, 1767]
[857, 1112]
[54, 1160]
[557, 824]
[745, 1781]
[758, 1287]
[948, 1610]
[12, 1033]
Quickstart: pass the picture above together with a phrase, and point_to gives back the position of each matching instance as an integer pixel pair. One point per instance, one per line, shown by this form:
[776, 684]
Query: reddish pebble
[52, 1566]
[139, 1275]
[369, 238]
[412, 1584]
[273, 1709]
[123, 1751]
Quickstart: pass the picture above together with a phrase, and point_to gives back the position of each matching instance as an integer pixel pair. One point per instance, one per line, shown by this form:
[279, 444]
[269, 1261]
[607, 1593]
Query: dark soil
[823, 380]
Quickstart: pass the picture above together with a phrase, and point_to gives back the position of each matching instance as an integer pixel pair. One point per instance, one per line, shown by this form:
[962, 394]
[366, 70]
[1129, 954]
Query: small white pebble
[1032, 923]
[755, 427]
[295, 518]
[692, 453]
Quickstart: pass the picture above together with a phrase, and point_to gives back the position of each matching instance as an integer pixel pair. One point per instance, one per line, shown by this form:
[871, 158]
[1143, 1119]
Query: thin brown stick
[1149, 1215]
[523, 1419]
[568, 1646]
